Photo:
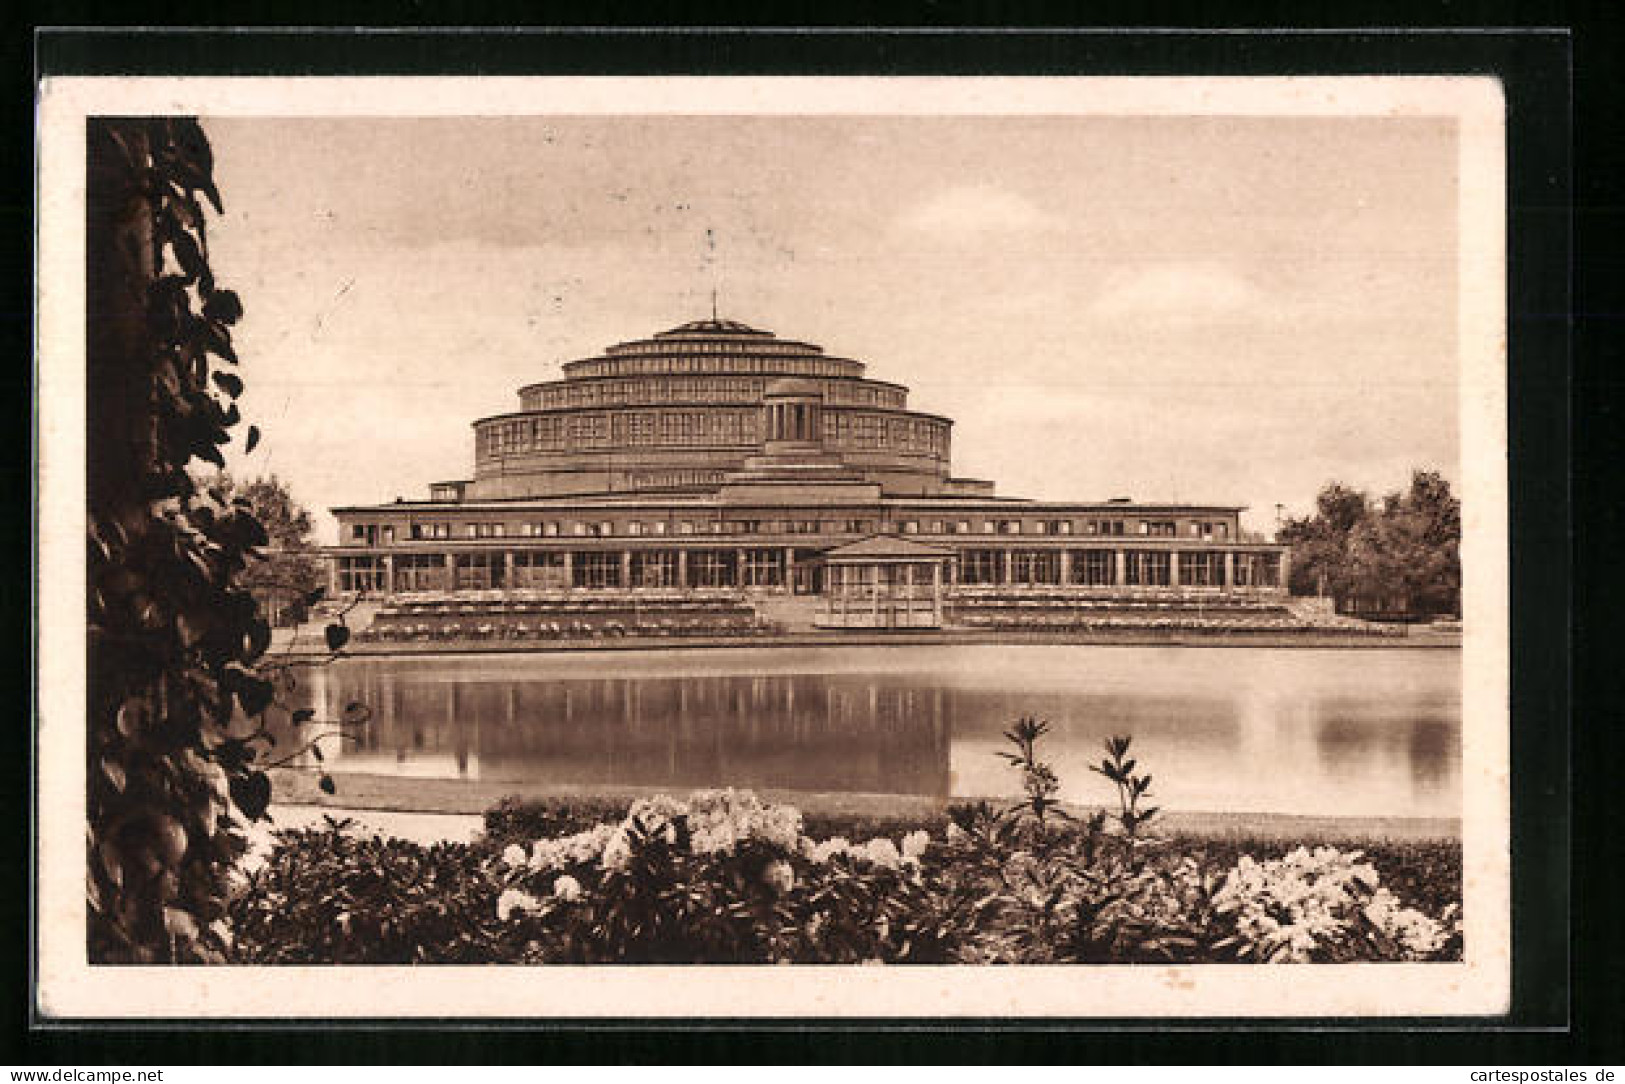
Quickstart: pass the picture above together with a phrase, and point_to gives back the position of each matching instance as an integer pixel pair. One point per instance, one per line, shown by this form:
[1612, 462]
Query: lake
[1286, 730]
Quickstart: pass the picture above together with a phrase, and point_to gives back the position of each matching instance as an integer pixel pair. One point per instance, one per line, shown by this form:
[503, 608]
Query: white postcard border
[69, 987]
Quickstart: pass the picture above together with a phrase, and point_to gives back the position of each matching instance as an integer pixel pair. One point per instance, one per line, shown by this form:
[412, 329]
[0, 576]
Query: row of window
[673, 479]
[1100, 568]
[722, 389]
[765, 567]
[702, 428]
[918, 435]
[372, 534]
[699, 568]
[658, 366]
[1107, 527]
[569, 432]
[1167, 528]
[670, 346]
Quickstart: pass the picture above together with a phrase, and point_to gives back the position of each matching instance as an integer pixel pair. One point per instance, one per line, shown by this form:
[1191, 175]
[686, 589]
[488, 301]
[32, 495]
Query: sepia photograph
[990, 547]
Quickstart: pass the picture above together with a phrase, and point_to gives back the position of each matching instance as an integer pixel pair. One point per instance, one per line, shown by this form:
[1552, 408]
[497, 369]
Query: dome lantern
[793, 413]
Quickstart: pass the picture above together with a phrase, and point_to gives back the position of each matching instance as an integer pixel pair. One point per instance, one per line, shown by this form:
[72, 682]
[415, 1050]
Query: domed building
[717, 456]
[682, 410]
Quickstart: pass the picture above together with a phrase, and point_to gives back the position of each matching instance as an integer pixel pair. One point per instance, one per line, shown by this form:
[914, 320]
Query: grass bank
[886, 811]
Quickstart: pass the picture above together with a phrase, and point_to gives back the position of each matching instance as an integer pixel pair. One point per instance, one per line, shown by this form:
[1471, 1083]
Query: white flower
[915, 843]
[1419, 935]
[1287, 909]
[515, 899]
[588, 846]
[830, 848]
[658, 810]
[567, 888]
[721, 820]
[779, 877]
[514, 855]
[714, 839]
[883, 852]
[617, 851]
[955, 834]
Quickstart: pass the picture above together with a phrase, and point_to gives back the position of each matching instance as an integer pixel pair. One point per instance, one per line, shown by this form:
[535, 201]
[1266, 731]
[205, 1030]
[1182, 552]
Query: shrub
[1323, 906]
[520, 820]
[328, 896]
[517, 819]
[1426, 872]
[719, 878]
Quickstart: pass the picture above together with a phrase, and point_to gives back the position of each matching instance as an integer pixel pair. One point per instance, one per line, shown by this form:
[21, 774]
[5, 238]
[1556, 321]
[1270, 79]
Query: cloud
[1193, 290]
[974, 209]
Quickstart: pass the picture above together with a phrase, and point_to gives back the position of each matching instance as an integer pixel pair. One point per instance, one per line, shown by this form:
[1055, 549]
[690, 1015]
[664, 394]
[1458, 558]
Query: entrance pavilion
[882, 582]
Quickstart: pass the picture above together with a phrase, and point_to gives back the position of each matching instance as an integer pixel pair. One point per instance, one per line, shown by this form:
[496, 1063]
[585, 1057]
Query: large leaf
[337, 636]
[223, 306]
[229, 382]
[254, 694]
[252, 793]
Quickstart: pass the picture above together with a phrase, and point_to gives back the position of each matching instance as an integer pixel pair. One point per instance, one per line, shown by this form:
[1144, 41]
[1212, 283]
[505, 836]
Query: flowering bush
[1323, 906]
[719, 876]
[985, 890]
[724, 877]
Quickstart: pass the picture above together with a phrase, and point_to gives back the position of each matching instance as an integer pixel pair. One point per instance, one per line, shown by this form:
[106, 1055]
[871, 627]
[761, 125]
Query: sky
[1229, 310]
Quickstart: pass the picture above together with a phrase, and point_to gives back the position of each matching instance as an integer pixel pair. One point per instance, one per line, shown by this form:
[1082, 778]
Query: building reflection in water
[1226, 729]
[794, 732]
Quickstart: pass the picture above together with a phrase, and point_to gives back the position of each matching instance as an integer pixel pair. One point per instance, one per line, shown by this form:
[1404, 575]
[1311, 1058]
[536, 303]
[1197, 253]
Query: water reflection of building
[792, 732]
[716, 455]
[1332, 733]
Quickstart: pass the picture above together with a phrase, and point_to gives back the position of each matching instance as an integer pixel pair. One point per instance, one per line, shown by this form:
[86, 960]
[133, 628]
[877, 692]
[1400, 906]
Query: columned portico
[883, 582]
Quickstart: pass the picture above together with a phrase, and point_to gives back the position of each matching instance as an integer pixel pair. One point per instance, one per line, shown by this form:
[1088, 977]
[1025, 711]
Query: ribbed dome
[681, 409]
[714, 327]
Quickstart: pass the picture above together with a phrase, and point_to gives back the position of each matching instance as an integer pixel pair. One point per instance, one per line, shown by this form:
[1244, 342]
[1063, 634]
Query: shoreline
[299, 646]
[456, 800]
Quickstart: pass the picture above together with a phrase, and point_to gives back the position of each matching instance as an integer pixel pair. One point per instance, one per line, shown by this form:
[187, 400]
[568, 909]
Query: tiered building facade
[719, 456]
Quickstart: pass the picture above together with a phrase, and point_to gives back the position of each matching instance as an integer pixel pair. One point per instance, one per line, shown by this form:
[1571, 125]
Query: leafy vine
[175, 642]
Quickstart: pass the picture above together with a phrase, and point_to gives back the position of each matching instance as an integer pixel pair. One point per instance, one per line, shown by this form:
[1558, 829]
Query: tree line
[1396, 556]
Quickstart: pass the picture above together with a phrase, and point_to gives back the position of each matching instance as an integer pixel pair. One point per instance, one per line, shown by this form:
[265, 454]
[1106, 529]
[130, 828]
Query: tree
[288, 571]
[1401, 555]
[1422, 536]
[1320, 542]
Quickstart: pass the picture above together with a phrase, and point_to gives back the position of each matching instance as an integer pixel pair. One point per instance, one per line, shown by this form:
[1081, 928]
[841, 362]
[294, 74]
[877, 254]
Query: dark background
[1567, 943]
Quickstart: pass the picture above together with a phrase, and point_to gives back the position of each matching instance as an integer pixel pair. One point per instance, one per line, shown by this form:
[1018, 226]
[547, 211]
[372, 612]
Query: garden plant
[724, 877]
